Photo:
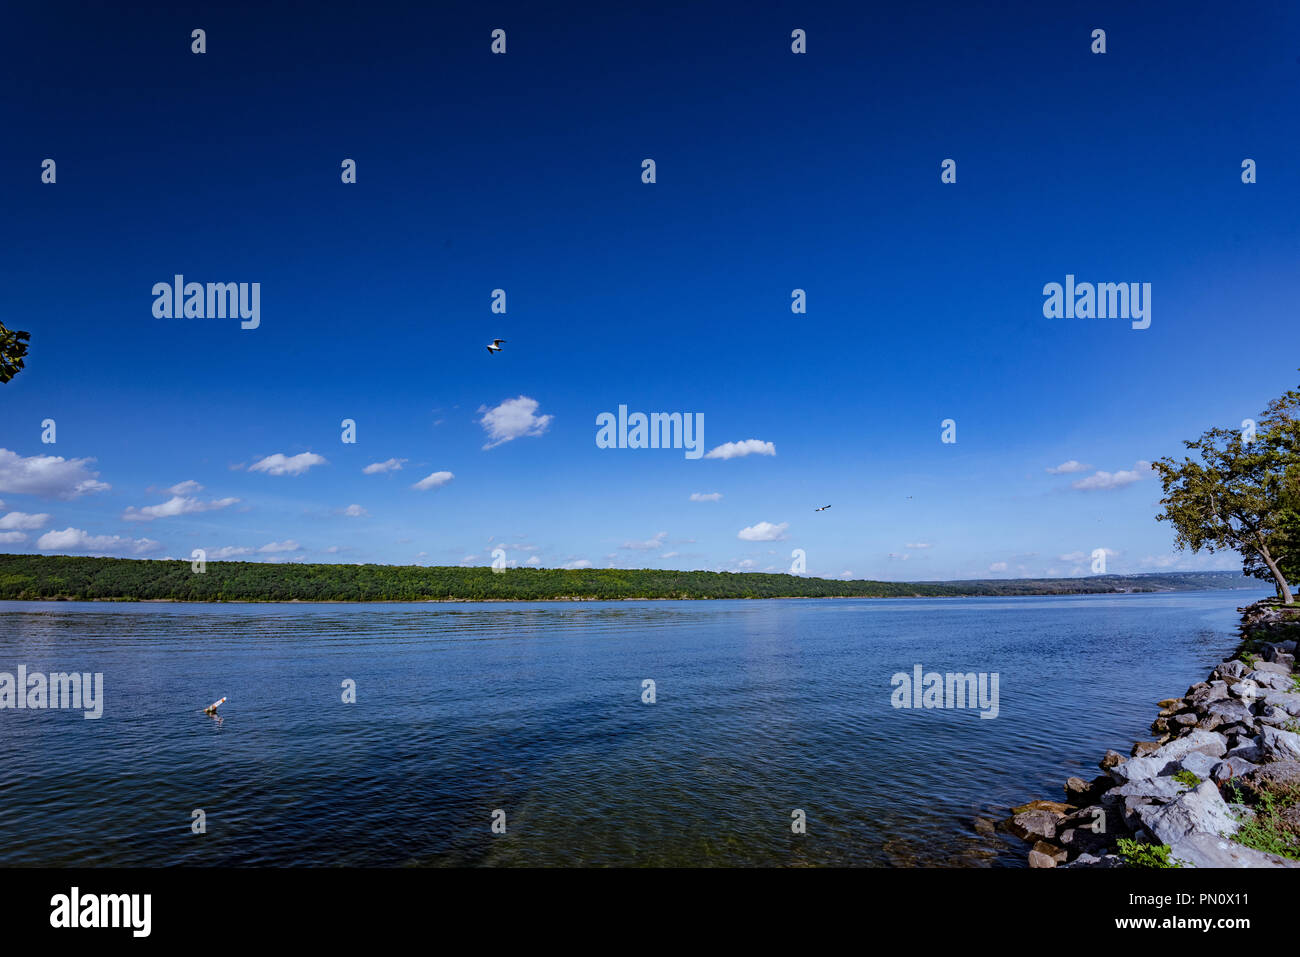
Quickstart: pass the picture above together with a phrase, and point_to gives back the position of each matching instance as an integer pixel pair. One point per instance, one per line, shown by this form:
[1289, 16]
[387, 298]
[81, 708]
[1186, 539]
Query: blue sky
[522, 172]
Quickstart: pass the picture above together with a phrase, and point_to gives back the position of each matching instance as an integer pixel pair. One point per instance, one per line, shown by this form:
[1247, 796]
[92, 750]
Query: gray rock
[1280, 745]
[1272, 714]
[1231, 712]
[1093, 860]
[1200, 764]
[1238, 766]
[1233, 670]
[1271, 680]
[1161, 789]
[1247, 752]
[1214, 691]
[1168, 756]
[1272, 666]
[1200, 809]
[1206, 850]
[1287, 701]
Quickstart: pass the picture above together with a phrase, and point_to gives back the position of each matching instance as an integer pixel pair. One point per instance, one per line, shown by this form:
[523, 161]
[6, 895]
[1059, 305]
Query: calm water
[763, 707]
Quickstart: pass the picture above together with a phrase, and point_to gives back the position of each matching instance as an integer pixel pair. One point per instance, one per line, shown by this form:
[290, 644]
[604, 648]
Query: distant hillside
[124, 579]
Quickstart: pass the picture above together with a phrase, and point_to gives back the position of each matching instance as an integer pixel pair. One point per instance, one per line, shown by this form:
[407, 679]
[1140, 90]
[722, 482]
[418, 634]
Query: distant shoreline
[71, 578]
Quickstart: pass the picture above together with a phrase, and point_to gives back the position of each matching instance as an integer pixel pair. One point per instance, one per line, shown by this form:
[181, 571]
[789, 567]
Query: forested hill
[66, 577]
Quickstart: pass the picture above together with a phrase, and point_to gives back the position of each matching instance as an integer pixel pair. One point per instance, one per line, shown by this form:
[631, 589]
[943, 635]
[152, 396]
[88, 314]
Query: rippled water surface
[763, 707]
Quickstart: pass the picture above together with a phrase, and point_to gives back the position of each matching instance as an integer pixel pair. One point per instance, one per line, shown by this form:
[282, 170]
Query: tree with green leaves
[13, 350]
[1242, 494]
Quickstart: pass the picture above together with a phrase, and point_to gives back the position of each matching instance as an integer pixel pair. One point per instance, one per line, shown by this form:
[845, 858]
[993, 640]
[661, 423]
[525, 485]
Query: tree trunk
[1283, 590]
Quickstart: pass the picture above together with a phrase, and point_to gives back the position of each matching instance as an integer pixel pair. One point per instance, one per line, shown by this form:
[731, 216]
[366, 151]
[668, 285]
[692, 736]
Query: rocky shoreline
[1219, 787]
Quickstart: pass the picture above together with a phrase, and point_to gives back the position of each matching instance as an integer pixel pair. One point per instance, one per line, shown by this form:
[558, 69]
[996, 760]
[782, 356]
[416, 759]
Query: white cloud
[648, 545]
[186, 487]
[736, 450]
[281, 464]
[533, 561]
[10, 538]
[388, 465]
[1067, 468]
[918, 545]
[177, 505]
[669, 555]
[355, 511]
[76, 539]
[706, 496]
[433, 480]
[763, 532]
[50, 476]
[512, 419]
[998, 567]
[1108, 480]
[272, 548]
[580, 563]
[23, 520]
[229, 551]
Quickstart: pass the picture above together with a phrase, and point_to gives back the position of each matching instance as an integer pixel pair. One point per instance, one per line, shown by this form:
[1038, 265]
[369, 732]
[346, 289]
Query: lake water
[762, 707]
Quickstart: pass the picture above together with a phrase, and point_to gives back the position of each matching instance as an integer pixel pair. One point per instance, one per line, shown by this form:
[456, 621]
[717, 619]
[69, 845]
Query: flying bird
[495, 346]
[822, 509]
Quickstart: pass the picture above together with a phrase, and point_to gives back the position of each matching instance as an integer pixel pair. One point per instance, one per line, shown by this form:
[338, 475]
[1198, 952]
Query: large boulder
[1230, 670]
[1167, 758]
[1034, 825]
[1273, 666]
[1228, 712]
[1205, 850]
[1279, 745]
[1201, 809]
[1287, 701]
[1270, 680]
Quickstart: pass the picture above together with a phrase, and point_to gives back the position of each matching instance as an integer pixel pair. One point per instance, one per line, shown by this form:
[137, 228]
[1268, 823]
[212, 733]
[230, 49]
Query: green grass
[1136, 854]
[1187, 777]
[1272, 829]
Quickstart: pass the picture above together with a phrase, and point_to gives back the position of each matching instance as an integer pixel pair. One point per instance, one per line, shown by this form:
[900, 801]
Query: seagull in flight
[822, 509]
[495, 346]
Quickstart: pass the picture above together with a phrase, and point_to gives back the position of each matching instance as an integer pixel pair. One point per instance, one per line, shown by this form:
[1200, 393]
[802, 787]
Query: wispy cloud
[79, 540]
[176, 505]
[24, 520]
[706, 496]
[648, 545]
[388, 465]
[737, 450]
[1109, 480]
[433, 480]
[281, 464]
[1068, 468]
[512, 419]
[763, 532]
[49, 476]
